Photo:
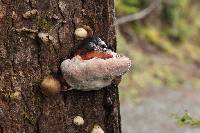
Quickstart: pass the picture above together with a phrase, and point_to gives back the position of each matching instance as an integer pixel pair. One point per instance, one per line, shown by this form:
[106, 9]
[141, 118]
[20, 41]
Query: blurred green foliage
[129, 6]
[174, 32]
[172, 10]
[173, 13]
[151, 71]
[177, 17]
[186, 119]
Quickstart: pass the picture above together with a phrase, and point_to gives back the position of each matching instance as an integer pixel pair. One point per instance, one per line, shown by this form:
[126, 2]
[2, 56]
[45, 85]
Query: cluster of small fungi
[78, 121]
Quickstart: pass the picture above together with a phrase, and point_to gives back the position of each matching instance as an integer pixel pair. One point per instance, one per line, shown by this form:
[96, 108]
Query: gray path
[153, 114]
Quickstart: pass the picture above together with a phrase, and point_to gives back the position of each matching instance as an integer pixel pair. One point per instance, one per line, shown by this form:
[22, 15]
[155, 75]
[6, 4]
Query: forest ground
[153, 114]
[157, 86]
[165, 78]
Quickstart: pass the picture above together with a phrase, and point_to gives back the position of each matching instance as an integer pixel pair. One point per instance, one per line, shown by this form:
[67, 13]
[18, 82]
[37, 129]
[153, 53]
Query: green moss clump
[186, 120]
[44, 23]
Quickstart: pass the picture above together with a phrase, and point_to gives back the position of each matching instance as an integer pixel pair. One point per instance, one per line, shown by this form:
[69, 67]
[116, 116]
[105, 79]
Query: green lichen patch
[29, 116]
[44, 23]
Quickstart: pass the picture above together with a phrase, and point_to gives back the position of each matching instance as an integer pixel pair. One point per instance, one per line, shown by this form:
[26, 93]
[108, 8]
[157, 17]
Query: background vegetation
[164, 46]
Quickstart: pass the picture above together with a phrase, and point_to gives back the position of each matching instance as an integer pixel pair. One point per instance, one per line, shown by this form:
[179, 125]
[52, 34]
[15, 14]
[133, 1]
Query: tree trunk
[25, 61]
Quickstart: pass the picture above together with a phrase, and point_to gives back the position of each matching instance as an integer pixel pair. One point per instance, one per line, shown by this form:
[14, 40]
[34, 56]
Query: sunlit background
[164, 47]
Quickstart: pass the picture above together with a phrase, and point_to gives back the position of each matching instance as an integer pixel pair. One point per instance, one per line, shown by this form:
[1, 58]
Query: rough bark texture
[25, 61]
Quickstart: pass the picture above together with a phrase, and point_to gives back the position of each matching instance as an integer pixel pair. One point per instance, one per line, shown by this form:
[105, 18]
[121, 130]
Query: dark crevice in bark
[38, 93]
[82, 7]
[4, 2]
[111, 105]
[58, 35]
[74, 25]
[37, 127]
[37, 42]
[30, 3]
[1, 129]
[60, 11]
[12, 71]
[108, 105]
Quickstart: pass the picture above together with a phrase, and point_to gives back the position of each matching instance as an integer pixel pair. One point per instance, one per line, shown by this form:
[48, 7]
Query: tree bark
[25, 61]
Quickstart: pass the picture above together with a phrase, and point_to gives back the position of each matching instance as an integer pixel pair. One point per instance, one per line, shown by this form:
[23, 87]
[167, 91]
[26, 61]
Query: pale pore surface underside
[95, 73]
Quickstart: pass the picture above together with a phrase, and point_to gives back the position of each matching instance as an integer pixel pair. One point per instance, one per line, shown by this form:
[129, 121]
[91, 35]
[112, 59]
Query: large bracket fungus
[93, 74]
[94, 66]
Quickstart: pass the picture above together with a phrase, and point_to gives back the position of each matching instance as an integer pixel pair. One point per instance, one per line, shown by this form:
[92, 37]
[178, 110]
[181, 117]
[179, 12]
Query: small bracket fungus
[78, 120]
[97, 129]
[16, 95]
[45, 37]
[29, 14]
[81, 33]
[50, 86]
[94, 66]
